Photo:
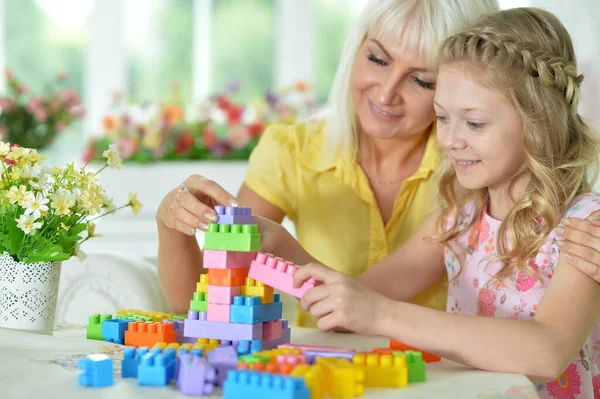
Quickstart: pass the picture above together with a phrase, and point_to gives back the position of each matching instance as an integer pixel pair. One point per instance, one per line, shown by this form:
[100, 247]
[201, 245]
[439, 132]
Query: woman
[365, 171]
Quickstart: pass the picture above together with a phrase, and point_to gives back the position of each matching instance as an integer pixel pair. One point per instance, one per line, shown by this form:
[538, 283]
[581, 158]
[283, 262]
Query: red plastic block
[272, 330]
[427, 357]
[279, 274]
[227, 277]
[222, 294]
[218, 312]
[213, 259]
[148, 334]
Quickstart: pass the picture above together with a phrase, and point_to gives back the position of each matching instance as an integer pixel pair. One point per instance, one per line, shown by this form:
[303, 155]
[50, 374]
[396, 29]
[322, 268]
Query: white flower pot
[28, 294]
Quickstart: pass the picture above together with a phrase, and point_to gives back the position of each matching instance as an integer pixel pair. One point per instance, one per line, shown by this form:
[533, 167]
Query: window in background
[159, 37]
[243, 46]
[333, 21]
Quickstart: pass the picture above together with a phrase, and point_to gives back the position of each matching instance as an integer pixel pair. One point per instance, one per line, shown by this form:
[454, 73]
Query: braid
[485, 45]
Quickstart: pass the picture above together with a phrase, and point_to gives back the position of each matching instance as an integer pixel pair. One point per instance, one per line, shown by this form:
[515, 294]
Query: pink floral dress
[469, 295]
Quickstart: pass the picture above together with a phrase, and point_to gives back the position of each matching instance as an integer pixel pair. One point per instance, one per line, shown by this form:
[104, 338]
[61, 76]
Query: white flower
[36, 205]
[28, 224]
[79, 253]
[4, 148]
[109, 203]
[113, 159]
[62, 202]
[30, 172]
[19, 195]
[41, 183]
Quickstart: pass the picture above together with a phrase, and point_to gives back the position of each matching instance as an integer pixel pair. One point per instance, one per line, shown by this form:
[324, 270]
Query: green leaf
[71, 238]
[78, 228]
[49, 254]
[11, 241]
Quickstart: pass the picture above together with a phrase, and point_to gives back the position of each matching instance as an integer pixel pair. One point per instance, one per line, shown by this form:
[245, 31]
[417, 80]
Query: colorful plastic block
[131, 361]
[94, 328]
[251, 359]
[278, 274]
[252, 287]
[247, 309]
[342, 378]
[272, 354]
[195, 375]
[155, 316]
[153, 370]
[232, 237]
[271, 367]
[212, 259]
[222, 294]
[199, 302]
[383, 371]
[222, 359]
[316, 348]
[286, 335]
[147, 334]
[417, 368]
[246, 347]
[197, 326]
[272, 330]
[240, 383]
[234, 215]
[114, 330]
[218, 312]
[178, 327]
[400, 347]
[202, 284]
[292, 359]
[97, 371]
[313, 355]
[227, 277]
[314, 377]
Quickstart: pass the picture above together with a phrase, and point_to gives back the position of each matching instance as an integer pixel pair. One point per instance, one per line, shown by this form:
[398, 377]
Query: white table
[37, 366]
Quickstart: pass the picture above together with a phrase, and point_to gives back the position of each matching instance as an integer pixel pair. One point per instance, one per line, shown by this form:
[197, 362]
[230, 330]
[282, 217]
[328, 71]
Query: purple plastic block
[222, 359]
[312, 356]
[196, 326]
[234, 215]
[196, 376]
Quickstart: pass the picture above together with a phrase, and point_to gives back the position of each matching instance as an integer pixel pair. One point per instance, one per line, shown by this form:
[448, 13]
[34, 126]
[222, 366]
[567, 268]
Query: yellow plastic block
[382, 371]
[156, 316]
[205, 345]
[314, 377]
[342, 378]
[273, 353]
[202, 285]
[187, 346]
[255, 288]
[161, 345]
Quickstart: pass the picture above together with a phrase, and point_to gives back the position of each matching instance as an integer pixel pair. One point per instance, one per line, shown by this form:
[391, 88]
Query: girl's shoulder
[583, 206]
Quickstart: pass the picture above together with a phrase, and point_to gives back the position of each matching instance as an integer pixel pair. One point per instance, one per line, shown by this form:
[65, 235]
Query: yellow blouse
[332, 206]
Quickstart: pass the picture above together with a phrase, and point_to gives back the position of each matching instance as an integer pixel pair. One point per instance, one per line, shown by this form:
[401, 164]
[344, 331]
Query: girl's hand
[581, 242]
[342, 302]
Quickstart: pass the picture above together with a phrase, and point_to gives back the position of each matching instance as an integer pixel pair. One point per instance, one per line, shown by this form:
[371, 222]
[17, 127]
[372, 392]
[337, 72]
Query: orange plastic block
[148, 334]
[227, 277]
[252, 287]
[314, 377]
[427, 357]
[202, 284]
[383, 371]
[342, 378]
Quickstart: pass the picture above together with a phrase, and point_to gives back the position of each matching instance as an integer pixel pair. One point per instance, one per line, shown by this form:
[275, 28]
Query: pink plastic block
[197, 326]
[292, 359]
[316, 348]
[222, 294]
[279, 274]
[272, 330]
[218, 312]
[214, 259]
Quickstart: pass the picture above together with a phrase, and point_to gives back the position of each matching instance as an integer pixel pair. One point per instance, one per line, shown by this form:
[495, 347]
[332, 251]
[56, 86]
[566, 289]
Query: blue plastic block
[171, 355]
[248, 310]
[153, 370]
[131, 361]
[197, 352]
[97, 371]
[114, 330]
[243, 384]
[248, 347]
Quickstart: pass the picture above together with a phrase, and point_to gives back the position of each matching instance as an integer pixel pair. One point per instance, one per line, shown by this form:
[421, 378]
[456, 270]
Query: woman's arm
[411, 268]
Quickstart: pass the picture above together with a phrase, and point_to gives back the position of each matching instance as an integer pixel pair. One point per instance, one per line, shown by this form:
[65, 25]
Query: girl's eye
[475, 125]
[424, 84]
[376, 60]
[440, 118]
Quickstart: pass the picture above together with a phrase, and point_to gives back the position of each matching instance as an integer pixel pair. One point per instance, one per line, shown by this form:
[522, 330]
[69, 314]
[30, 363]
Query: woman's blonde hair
[526, 54]
[420, 24]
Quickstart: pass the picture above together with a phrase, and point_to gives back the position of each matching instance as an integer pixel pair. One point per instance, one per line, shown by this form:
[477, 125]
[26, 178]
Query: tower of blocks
[229, 304]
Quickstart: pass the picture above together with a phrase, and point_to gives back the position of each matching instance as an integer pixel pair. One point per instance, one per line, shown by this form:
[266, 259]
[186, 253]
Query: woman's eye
[376, 60]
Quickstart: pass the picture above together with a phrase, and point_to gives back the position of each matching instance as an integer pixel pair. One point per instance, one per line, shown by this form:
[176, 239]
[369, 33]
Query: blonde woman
[357, 185]
[519, 160]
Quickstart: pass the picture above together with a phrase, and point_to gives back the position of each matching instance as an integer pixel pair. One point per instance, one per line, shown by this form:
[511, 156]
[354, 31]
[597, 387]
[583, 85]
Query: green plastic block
[251, 359]
[179, 317]
[94, 328]
[415, 364]
[232, 237]
[200, 302]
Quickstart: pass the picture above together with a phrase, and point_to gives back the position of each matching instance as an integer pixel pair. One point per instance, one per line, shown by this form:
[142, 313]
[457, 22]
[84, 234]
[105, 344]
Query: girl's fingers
[322, 308]
[328, 323]
[313, 296]
[316, 271]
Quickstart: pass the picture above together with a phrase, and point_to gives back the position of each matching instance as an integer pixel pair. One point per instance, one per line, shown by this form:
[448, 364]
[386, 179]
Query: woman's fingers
[180, 219]
[202, 214]
[201, 186]
[587, 267]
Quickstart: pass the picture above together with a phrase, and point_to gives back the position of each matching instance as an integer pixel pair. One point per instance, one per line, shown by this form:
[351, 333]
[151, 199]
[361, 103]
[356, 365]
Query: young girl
[518, 162]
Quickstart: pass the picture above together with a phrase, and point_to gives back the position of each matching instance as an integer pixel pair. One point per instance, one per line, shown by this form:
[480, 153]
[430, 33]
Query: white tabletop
[37, 366]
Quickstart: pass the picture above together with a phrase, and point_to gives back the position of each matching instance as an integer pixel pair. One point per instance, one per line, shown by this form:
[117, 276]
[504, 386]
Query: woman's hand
[190, 206]
[342, 303]
[581, 243]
